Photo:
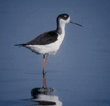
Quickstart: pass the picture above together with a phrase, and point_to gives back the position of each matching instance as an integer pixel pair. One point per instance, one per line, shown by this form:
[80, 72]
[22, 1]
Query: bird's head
[65, 18]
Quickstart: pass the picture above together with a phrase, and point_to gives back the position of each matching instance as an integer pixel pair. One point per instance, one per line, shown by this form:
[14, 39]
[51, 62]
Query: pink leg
[45, 62]
[44, 81]
[44, 66]
[47, 58]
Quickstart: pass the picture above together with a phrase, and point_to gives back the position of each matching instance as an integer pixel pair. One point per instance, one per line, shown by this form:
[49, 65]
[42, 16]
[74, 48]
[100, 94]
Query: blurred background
[80, 71]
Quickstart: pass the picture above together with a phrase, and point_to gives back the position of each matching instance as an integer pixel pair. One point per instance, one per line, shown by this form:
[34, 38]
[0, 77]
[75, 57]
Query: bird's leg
[44, 66]
[44, 81]
[47, 58]
[45, 62]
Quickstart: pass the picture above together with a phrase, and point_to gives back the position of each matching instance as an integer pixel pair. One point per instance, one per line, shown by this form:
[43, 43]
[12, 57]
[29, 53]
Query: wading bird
[49, 42]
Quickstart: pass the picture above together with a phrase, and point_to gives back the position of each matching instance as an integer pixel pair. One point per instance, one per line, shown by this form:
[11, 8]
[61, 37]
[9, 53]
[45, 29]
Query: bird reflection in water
[44, 96]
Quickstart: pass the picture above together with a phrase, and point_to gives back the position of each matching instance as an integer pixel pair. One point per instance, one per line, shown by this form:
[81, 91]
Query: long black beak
[75, 23]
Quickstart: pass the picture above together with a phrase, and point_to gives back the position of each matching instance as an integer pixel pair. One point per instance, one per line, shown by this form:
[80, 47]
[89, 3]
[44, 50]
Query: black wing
[43, 39]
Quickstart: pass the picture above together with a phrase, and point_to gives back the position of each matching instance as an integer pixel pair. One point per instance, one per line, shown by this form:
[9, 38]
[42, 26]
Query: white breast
[48, 48]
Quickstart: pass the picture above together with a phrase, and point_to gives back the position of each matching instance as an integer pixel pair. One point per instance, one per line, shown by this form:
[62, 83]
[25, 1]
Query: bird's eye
[65, 16]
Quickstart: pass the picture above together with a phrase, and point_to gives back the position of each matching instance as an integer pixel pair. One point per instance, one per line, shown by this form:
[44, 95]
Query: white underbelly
[48, 48]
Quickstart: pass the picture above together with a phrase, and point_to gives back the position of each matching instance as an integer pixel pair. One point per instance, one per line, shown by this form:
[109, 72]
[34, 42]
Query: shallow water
[90, 86]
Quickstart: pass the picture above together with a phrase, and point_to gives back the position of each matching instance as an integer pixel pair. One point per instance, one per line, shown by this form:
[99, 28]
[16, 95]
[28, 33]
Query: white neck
[61, 28]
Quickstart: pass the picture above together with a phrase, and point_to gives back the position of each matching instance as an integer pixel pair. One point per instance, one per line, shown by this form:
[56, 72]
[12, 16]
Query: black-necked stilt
[49, 42]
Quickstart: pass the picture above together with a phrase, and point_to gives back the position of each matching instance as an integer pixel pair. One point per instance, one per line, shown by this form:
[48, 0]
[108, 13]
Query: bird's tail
[20, 45]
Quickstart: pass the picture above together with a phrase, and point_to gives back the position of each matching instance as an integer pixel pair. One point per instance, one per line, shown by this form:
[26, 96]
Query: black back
[45, 38]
